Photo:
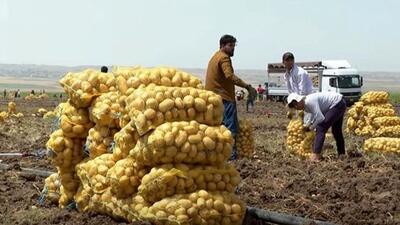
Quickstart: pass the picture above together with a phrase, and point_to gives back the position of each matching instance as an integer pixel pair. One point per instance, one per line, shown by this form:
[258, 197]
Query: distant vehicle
[329, 75]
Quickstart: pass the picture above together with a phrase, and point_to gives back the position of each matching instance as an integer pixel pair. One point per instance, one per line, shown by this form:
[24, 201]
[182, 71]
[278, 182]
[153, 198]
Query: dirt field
[362, 189]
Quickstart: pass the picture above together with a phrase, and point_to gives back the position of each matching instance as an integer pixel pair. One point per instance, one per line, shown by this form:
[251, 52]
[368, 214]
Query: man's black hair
[292, 104]
[288, 56]
[226, 39]
[104, 69]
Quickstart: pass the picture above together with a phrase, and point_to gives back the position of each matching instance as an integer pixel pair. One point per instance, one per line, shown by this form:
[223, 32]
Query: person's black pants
[334, 119]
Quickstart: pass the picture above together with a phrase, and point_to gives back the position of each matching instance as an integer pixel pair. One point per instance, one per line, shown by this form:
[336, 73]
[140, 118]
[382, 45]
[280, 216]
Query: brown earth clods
[361, 189]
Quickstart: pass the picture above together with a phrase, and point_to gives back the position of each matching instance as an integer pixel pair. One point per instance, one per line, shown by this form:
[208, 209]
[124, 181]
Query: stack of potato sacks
[35, 97]
[299, 142]
[154, 148]
[374, 117]
[11, 112]
[245, 139]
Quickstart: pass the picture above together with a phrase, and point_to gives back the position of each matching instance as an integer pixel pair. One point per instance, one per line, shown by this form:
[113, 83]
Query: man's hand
[306, 128]
[289, 115]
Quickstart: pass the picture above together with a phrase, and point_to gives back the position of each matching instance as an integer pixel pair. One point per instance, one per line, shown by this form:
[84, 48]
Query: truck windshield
[349, 81]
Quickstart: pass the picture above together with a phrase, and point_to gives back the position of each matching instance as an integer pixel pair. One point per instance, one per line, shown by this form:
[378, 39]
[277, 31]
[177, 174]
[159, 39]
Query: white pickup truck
[329, 75]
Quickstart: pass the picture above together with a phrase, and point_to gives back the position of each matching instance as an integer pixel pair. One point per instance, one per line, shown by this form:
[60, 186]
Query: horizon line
[198, 68]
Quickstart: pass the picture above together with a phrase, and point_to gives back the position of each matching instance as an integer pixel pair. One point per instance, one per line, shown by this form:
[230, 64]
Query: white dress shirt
[318, 104]
[298, 81]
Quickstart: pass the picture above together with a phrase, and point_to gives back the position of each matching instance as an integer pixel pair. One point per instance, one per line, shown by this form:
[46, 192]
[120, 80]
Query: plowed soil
[361, 189]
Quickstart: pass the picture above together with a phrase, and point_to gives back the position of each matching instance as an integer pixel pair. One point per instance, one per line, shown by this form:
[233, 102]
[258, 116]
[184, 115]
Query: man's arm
[304, 84]
[227, 68]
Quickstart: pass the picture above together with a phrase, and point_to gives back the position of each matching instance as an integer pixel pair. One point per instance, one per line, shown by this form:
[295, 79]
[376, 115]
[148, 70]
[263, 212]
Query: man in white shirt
[297, 78]
[327, 110]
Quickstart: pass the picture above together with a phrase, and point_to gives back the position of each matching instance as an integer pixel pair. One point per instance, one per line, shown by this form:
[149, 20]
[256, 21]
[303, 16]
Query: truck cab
[338, 76]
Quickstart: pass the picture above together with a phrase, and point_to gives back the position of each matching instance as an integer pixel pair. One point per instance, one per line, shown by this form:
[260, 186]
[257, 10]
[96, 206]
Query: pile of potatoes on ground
[375, 118]
[11, 112]
[146, 144]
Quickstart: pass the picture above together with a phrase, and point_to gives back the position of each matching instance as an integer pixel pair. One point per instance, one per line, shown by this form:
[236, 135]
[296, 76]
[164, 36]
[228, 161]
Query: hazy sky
[185, 33]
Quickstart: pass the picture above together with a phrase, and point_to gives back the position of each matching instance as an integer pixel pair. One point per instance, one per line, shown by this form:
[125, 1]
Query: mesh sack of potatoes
[41, 111]
[30, 97]
[50, 115]
[69, 185]
[18, 115]
[100, 140]
[298, 141]
[382, 144]
[386, 121]
[152, 106]
[43, 96]
[83, 87]
[245, 139]
[93, 173]
[125, 177]
[201, 207]
[75, 122]
[361, 120]
[104, 203]
[64, 152]
[372, 112]
[184, 142]
[51, 189]
[125, 140]
[3, 116]
[364, 130]
[390, 131]
[120, 208]
[107, 109]
[375, 97]
[82, 197]
[170, 179]
[12, 108]
[129, 80]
